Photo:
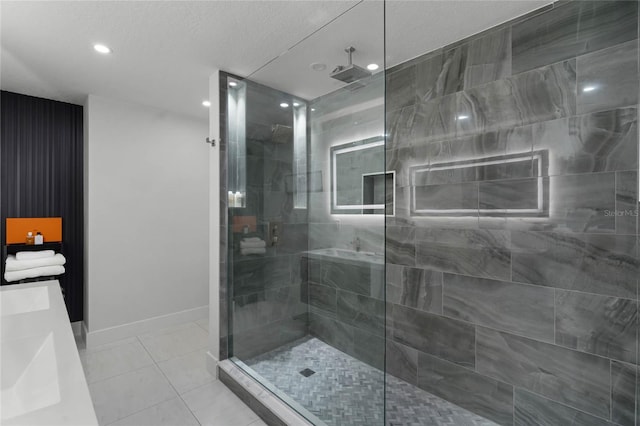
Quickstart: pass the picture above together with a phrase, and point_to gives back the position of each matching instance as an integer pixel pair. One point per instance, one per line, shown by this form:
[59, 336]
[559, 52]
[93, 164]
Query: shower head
[351, 72]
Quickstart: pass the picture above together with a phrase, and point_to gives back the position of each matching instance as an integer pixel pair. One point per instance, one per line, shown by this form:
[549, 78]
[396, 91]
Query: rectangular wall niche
[478, 187]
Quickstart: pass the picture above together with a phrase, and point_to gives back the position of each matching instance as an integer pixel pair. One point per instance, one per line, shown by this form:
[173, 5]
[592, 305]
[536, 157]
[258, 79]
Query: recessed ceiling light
[313, 109]
[101, 48]
[284, 105]
[317, 66]
[296, 104]
[463, 117]
[589, 89]
[206, 103]
[232, 84]
[373, 67]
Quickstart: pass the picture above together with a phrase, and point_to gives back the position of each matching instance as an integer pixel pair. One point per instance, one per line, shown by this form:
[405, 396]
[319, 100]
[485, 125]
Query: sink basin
[24, 300]
[29, 375]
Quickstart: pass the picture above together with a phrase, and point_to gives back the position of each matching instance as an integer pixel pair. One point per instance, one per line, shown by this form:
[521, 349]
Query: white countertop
[42, 378]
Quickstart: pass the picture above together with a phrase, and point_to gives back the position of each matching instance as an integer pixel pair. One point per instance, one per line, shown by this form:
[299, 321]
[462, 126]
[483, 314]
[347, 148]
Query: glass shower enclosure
[434, 220]
[306, 195]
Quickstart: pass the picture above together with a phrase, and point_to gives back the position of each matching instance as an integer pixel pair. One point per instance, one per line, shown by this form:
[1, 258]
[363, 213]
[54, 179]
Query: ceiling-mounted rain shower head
[349, 73]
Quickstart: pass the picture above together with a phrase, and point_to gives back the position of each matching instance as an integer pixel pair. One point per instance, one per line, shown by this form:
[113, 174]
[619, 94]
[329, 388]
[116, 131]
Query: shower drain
[307, 372]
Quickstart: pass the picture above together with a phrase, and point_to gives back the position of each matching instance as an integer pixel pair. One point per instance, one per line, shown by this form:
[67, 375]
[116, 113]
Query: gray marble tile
[512, 194]
[442, 337]
[416, 288]
[261, 339]
[627, 204]
[323, 298]
[439, 200]
[596, 324]
[488, 262]
[481, 253]
[432, 120]
[451, 79]
[369, 348]
[637, 394]
[623, 393]
[486, 168]
[259, 273]
[400, 246]
[517, 140]
[608, 78]
[402, 362]
[354, 278]
[602, 264]
[393, 283]
[294, 238]
[579, 203]
[570, 377]
[400, 124]
[480, 394]
[265, 307]
[334, 333]
[534, 410]
[488, 58]
[361, 312]
[523, 309]
[400, 88]
[572, 29]
[471, 238]
[543, 94]
[428, 77]
[597, 142]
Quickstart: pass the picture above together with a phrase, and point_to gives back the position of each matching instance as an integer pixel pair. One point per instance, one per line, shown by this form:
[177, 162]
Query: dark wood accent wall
[41, 165]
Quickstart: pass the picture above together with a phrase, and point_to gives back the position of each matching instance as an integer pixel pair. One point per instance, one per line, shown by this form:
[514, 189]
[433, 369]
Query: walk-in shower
[450, 238]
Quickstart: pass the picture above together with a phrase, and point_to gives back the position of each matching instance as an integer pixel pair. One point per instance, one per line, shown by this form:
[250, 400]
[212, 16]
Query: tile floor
[343, 390]
[160, 379]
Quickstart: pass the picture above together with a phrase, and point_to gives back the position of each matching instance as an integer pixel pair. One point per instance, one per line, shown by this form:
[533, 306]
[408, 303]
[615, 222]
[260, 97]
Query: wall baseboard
[112, 334]
[76, 327]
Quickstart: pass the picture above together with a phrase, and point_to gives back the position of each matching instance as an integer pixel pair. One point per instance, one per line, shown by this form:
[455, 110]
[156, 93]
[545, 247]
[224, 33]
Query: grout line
[171, 384]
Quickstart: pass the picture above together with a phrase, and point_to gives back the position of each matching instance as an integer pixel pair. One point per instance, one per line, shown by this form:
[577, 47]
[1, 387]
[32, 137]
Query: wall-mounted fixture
[478, 187]
[359, 182]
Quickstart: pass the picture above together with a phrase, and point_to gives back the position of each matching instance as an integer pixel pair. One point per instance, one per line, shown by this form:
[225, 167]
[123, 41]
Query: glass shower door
[307, 192]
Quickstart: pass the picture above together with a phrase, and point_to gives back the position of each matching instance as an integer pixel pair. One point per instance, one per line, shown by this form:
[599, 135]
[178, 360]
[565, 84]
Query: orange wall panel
[17, 228]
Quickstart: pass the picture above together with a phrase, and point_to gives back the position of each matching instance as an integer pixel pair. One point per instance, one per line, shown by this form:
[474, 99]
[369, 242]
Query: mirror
[358, 185]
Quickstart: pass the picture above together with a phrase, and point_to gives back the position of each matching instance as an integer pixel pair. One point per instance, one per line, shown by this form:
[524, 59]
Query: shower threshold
[345, 391]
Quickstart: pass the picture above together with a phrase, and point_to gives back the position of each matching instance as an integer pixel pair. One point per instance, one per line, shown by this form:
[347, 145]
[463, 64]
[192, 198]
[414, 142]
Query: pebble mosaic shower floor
[340, 390]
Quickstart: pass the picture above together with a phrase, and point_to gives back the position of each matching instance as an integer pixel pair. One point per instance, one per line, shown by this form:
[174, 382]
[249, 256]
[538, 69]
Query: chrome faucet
[356, 244]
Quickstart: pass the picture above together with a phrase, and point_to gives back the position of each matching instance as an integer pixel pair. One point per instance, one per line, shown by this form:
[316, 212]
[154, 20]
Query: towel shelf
[8, 249]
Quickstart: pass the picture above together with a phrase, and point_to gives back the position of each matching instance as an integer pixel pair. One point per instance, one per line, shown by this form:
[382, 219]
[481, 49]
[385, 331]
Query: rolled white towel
[253, 244]
[28, 255]
[252, 239]
[45, 271]
[246, 251]
[14, 264]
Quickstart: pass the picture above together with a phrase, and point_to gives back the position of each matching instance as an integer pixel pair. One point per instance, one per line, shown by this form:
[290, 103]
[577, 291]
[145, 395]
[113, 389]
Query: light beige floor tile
[204, 323]
[169, 413]
[126, 394]
[114, 359]
[187, 372]
[175, 341]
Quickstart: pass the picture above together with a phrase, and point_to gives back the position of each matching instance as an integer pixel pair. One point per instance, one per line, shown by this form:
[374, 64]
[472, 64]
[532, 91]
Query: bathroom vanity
[42, 378]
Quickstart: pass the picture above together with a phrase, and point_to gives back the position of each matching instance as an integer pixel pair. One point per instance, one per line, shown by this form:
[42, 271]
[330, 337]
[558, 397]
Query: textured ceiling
[164, 51]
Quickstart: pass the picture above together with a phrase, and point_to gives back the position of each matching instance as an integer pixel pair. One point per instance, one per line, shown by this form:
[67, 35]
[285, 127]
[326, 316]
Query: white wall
[147, 225]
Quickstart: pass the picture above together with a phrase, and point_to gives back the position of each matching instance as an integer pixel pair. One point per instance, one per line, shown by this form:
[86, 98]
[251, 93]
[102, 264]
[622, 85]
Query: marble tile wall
[526, 320]
[263, 307]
